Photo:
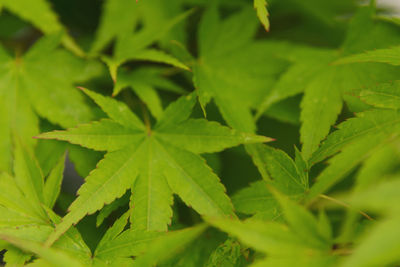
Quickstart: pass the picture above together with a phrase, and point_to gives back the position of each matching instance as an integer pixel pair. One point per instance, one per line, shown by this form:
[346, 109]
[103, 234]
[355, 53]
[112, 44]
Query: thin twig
[346, 205]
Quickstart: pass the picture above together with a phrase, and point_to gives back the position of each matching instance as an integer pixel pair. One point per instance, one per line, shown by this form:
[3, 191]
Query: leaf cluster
[202, 133]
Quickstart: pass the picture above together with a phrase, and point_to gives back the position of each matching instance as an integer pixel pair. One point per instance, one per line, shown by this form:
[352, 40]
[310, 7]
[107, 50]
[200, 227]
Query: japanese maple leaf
[155, 162]
[40, 82]
[327, 85]
[26, 203]
[232, 68]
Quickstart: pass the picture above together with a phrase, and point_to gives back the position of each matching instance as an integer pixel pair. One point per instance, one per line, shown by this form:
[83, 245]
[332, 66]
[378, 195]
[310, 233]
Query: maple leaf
[232, 68]
[119, 21]
[303, 240]
[40, 14]
[144, 82]
[262, 12]
[155, 162]
[356, 139]
[326, 85]
[24, 92]
[25, 204]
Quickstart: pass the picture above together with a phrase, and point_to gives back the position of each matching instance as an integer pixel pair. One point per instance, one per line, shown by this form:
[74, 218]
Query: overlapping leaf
[47, 21]
[24, 92]
[155, 162]
[232, 68]
[301, 242]
[120, 20]
[324, 84]
[25, 203]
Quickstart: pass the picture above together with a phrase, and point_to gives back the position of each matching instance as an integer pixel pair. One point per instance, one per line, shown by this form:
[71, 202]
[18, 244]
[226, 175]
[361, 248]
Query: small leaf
[51, 255]
[52, 186]
[175, 242]
[262, 12]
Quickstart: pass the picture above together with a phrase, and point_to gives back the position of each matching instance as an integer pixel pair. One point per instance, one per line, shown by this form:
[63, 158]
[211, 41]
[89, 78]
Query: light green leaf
[23, 90]
[385, 95]
[110, 208]
[341, 165]
[112, 232]
[369, 122]
[116, 110]
[51, 255]
[40, 14]
[28, 176]
[175, 242]
[262, 12]
[158, 56]
[321, 105]
[152, 167]
[284, 172]
[128, 244]
[388, 55]
[176, 112]
[103, 135]
[114, 175]
[379, 197]
[308, 62]
[52, 186]
[118, 18]
[16, 209]
[189, 177]
[255, 198]
[152, 196]
[303, 223]
[227, 254]
[267, 237]
[380, 246]
[232, 68]
[202, 136]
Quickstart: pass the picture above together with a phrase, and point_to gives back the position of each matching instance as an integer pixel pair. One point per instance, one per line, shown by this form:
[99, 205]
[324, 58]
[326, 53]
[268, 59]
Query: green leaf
[267, 237]
[117, 111]
[158, 56]
[295, 79]
[388, 55]
[209, 136]
[28, 176]
[118, 18]
[385, 95]
[379, 197]
[283, 170]
[189, 176]
[52, 186]
[51, 255]
[24, 90]
[303, 223]
[321, 105]
[262, 12]
[341, 165]
[103, 135]
[117, 244]
[151, 193]
[369, 122]
[255, 198]
[133, 47]
[129, 243]
[232, 68]
[113, 176]
[153, 167]
[380, 246]
[40, 14]
[227, 254]
[175, 242]
[108, 209]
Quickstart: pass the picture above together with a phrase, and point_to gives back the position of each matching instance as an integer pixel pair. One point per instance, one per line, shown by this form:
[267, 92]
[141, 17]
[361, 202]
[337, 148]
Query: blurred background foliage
[320, 23]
